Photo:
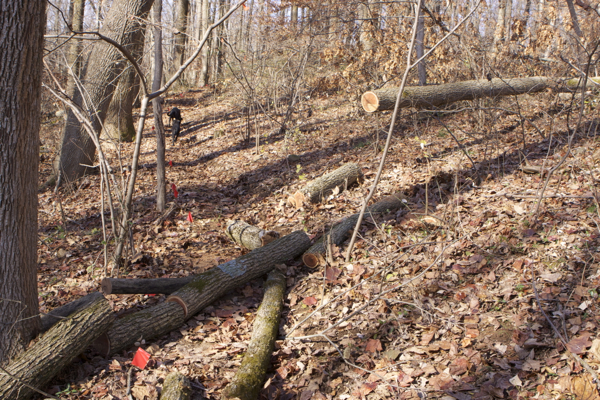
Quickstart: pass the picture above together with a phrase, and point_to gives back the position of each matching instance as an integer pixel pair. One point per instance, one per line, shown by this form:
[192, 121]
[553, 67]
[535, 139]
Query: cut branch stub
[316, 190]
[248, 236]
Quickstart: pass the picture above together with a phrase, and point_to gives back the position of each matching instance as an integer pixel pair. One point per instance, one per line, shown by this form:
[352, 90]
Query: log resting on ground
[314, 256]
[249, 379]
[200, 292]
[144, 286]
[437, 95]
[316, 190]
[55, 350]
[248, 236]
[51, 318]
[176, 387]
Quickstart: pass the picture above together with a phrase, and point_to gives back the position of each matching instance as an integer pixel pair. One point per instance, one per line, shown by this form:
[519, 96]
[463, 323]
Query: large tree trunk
[202, 291]
[76, 13]
[119, 118]
[144, 286]
[437, 95]
[21, 49]
[60, 313]
[249, 379]
[55, 350]
[183, 7]
[104, 66]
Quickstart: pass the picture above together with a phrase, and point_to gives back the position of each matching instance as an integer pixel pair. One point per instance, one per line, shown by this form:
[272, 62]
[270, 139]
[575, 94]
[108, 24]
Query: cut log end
[106, 286]
[370, 102]
[179, 300]
[312, 260]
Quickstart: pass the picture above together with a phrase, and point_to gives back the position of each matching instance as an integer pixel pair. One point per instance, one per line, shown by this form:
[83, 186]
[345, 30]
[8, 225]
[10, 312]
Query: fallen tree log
[144, 286]
[176, 387]
[341, 178]
[437, 95]
[248, 236]
[55, 350]
[315, 255]
[249, 379]
[51, 318]
[199, 293]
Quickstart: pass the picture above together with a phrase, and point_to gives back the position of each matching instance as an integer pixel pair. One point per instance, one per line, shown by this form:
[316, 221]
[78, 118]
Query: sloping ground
[435, 304]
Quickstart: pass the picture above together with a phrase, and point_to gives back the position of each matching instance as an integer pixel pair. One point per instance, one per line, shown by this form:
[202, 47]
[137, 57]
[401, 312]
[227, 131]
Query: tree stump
[176, 387]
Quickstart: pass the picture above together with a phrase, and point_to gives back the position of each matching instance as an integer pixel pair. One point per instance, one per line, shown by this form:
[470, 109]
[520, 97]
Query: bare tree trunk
[21, 49]
[157, 109]
[76, 12]
[294, 17]
[183, 7]
[500, 26]
[205, 50]
[420, 48]
[106, 63]
[574, 21]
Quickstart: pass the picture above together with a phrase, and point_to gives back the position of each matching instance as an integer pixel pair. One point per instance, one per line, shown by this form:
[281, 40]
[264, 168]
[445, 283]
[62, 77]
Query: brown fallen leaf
[578, 344]
[583, 388]
[373, 346]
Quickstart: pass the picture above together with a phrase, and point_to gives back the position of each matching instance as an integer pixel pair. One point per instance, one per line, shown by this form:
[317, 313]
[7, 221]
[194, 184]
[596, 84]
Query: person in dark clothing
[175, 116]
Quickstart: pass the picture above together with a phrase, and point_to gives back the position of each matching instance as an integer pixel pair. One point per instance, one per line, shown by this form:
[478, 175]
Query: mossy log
[249, 379]
[199, 293]
[316, 190]
[51, 318]
[315, 255]
[248, 236]
[176, 387]
[144, 286]
[55, 350]
[437, 95]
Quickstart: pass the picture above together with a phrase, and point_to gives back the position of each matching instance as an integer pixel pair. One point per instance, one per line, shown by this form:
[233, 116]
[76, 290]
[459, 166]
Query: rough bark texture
[76, 13]
[315, 255]
[55, 350]
[437, 95]
[319, 188]
[105, 64]
[60, 313]
[21, 50]
[204, 23]
[248, 236]
[249, 379]
[202, 291]
[183, 7]
[176, 387]
[144, 286]
[119, 118]
[157, 108]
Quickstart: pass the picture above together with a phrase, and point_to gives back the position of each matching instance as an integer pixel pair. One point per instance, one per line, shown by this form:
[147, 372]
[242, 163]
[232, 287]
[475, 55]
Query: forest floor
[450, 289]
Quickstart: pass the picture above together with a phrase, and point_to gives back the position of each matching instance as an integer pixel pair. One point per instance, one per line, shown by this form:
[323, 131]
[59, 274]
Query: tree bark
[315, 255]
[249, 379]
[76, 14]
[319, 188]
[106, 63]
[55, 350]
[176, 387]
[144, 286]
[437, 95]
[203, 81]
[21, 49]
[199, 293]
[248, 236]
[157, 109]
[119, 118]
[60, 313]
[183, 7]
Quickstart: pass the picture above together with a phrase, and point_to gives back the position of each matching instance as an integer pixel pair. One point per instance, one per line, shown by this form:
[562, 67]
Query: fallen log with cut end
[342, 178]
[59, 313]
[248, 236]
[176, 387]
[249, 379]
[55, 350]
[315, 255]
[199, 293]
[437, 95]
[144, 286]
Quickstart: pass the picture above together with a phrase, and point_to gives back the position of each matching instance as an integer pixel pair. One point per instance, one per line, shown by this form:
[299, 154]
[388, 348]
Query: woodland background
[499, 226]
